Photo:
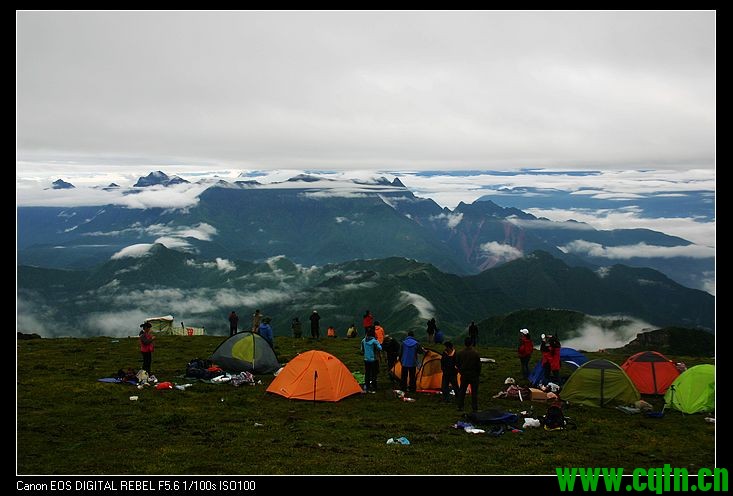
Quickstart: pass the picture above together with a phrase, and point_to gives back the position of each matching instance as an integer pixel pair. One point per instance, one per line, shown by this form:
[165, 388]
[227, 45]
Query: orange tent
[331, 378]
[651, 372]
[429, 375]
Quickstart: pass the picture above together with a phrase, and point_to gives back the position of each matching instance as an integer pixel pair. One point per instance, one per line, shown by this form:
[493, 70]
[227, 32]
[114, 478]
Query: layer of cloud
[451, 220]
[592, 336]
[425, 309]
[698, 231]
[639, 250]
[133, 251]
[284, 90]
[501, 251]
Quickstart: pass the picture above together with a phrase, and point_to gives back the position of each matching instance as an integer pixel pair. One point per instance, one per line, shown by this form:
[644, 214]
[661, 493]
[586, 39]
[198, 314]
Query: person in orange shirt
[379, 332]
[331, 332]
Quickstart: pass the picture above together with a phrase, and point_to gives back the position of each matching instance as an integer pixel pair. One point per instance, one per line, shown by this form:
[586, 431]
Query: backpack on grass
[555, 418]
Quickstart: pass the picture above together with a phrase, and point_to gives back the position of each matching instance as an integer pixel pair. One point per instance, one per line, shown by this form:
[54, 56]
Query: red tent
[651, 372]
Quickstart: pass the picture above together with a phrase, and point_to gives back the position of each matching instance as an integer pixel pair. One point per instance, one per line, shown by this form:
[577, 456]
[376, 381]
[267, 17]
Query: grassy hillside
[68, 423]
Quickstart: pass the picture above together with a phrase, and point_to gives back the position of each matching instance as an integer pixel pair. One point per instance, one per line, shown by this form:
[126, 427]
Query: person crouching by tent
[147, 345]
[526, 347]
[351, 332]
[448, 367]
[408, 357]
[265, 330]
[468, 363]
[370, 347]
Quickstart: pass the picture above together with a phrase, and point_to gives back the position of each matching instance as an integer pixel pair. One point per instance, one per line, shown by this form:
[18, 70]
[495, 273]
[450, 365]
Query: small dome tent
[693, 391]
[316, 376]
[650, 371]
[246, 351]
[429, 375]
[598, 383]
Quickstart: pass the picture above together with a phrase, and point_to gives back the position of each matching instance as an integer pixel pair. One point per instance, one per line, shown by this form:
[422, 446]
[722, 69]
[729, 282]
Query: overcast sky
[339, 90]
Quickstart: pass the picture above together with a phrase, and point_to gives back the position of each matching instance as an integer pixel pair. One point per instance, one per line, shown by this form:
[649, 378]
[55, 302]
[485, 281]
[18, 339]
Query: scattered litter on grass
[257, 424]
[530, 422]
[487, 360]
[133, 398]
[399, 440]
[710, 419]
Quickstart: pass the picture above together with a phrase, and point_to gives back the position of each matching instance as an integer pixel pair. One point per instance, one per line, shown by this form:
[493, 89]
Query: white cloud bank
[452, 220]
[133, 251]
[639, 250]
[425, 309]
[501, 251]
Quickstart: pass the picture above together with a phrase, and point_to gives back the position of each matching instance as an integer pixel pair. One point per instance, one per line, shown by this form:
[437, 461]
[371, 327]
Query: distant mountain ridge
[316, 221]
[402, 293]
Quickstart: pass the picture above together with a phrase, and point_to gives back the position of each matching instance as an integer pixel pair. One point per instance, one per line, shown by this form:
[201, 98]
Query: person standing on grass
[432, 328]
[526, 347]
[408, 357]
[265, 330]
[473, 333]
[297, 328]
[147, 345]
[233, 322]
[448, 367]
[370, 347]
[468, 363]
[256, 320]
[367, 321]
[315, 330]
[392, 348]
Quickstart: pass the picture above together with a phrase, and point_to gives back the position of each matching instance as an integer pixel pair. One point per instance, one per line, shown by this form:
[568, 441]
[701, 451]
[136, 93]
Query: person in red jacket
[526, 347]
[554, 358]
[147, 345]
[368, 321]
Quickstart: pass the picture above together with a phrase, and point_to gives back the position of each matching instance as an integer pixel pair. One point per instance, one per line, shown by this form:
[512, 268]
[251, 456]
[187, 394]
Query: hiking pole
[315, 380]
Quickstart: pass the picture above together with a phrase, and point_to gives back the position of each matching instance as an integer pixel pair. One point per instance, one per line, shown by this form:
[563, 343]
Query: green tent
[598, 383]
[693, 391]
[246, 352]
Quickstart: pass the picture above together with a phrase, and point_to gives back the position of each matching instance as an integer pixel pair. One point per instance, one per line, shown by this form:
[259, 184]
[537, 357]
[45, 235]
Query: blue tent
[568, 356]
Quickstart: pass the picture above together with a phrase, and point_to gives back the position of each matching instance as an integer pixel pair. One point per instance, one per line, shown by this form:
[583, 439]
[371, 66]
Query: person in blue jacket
[408, 358]
[265, 330]
[370, 346]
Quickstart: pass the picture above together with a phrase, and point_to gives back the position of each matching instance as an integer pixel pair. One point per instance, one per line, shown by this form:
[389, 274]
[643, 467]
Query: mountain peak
[158, 178]
[61, 184]
[396, 182]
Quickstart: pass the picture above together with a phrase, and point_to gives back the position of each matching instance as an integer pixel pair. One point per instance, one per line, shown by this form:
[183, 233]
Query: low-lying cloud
[501, 251]
[133, 251]
[425, 309]
[593, 336]
[639, 250]
[451, 220]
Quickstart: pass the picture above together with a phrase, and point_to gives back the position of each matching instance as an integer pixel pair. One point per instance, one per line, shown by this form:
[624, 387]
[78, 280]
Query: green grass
[68, 423]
